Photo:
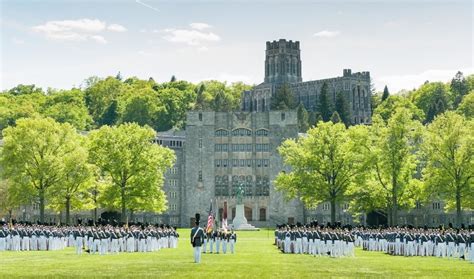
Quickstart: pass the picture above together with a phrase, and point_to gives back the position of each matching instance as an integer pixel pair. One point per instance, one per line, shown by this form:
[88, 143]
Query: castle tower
[282, 62]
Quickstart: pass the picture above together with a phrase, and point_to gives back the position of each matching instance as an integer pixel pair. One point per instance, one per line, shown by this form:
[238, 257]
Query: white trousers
[197, 254]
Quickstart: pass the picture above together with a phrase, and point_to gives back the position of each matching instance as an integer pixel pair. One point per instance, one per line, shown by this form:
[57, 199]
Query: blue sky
[402, 43]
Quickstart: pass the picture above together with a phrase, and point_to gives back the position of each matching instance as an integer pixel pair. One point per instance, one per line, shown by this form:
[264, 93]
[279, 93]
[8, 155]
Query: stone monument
[240, 222]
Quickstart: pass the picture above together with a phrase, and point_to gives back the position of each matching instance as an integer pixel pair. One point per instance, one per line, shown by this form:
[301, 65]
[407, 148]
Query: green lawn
[256, 257]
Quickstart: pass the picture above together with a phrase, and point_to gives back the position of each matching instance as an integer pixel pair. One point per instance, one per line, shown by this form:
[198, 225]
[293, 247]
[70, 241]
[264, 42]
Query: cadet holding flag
[197, 238]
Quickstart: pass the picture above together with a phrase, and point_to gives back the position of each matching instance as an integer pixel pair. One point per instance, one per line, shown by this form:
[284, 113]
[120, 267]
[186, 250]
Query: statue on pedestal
[240, 193]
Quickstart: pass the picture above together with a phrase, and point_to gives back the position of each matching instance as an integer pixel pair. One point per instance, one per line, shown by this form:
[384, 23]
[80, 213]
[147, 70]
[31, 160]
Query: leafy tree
[466, 107]
[390, 149]
[385, 94]
[134, 165]
[100, 96]
[72, 192]
[386, 109]
[283, 99]
[449, 151]
[342, 109]
[302, 118]
[25, 90]
[335, 118]
[459, 87]
[68, 106]
[325, 107]
[142, 107]
[375, 100]
[200, 100]
[222, 102]
[110, 115]
[33, 157]
[323, 166]
[432, 98]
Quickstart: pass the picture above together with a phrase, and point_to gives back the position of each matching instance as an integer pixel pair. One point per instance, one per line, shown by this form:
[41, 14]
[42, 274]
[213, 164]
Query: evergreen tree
[110, 115]
[173, 78]
[385, 93]
[324, 104]
[459, 87]
[283, 99]
[335, 118]
[303, 118]
[342, 108]
[119, 76]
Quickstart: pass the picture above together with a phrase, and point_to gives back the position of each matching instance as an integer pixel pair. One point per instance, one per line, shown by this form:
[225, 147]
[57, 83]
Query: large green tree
[466, 107]
[33, 157]
[432, 98]
[448, 147]
[134, 164]
[390, 149]
[323, 165]
[73, 190]
[68, 106]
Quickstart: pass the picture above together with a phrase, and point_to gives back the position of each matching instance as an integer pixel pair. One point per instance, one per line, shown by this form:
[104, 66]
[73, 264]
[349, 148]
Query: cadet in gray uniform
[197, 239]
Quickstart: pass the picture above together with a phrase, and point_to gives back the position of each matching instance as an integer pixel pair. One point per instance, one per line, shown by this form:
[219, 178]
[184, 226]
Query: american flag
[210, 220]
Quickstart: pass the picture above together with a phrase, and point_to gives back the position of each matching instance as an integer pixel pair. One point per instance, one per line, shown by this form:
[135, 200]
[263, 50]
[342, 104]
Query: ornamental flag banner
[224, 218]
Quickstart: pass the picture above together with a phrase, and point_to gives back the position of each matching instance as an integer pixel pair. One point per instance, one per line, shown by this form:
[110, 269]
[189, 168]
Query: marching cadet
[197, 238]
[287, 245]
[3, 239]
[217, 238]
[461, 240]
[78, 240]
[232, 241]
[225, 240]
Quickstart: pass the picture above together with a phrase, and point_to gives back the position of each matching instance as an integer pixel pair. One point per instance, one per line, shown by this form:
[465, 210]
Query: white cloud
[77, 30]
[116, 28]
[190, 37]
[326, 34]
[99, 39]
[199, 25]
[396, 83]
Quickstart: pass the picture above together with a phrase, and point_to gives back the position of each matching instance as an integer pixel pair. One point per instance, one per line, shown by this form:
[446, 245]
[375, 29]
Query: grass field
[255, 257]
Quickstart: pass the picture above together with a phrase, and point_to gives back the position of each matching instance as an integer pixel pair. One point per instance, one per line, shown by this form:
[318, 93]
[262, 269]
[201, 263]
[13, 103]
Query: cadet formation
[340, 241]
[100, 240]
[220, 241]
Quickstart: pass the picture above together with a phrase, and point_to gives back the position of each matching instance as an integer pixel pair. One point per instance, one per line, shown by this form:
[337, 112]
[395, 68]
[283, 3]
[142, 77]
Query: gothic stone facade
[283, 66]
[225, 150]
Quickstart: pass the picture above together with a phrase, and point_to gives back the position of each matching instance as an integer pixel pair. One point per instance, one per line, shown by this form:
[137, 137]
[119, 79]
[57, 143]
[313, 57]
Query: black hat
[198, 217]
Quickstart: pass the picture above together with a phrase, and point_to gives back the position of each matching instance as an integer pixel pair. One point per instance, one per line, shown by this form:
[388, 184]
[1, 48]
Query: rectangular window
[259, 163]
[235, 162]
[282, 116]
[218, 163]
[265, 163]
[200, 176]
[249, 163]
[224, 147]
[242, 163]
[200, 116]
[200, 143]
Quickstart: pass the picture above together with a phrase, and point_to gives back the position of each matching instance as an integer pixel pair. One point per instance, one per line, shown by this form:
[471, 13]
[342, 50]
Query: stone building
[283, 66]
